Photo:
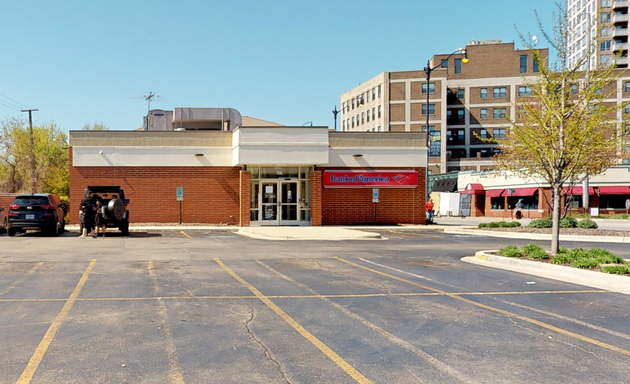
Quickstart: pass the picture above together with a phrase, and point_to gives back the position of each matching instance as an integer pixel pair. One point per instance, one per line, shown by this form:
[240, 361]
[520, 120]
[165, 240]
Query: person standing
[88, 209]
[99, 221]
[429, 208]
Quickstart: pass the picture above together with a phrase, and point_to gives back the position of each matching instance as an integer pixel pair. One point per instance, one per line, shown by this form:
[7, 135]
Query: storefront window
[254, 171]
[529, 202]
[305, 172]
[612, 201]
[277, 172]
[254, 201]
[497, 202]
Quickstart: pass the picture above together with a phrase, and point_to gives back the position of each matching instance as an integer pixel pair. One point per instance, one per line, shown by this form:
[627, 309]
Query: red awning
[495, 193]
[621, 190]
[577, 190]
[524, 191]
[473, 189]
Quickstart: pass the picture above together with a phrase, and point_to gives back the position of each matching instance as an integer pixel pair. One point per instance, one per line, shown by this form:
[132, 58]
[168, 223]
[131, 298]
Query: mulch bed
[563, 231]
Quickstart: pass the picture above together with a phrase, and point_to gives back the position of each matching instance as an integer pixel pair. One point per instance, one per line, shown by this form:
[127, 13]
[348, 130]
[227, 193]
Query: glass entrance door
[269, 206]
[289, 197]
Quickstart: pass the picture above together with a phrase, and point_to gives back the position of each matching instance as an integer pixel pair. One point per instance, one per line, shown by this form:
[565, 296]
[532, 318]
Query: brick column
[245, 195]
[316, 198]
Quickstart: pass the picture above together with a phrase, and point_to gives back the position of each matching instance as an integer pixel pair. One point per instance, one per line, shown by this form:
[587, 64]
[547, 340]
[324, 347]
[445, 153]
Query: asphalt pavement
[199, 306]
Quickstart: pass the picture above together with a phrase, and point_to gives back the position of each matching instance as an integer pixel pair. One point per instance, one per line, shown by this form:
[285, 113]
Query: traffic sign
[180, 193]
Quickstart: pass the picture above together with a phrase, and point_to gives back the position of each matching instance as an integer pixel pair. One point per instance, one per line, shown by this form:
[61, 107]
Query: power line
[17, 103]
[9, 105]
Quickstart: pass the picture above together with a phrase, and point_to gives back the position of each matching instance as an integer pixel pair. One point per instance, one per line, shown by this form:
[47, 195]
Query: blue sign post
[180, 198]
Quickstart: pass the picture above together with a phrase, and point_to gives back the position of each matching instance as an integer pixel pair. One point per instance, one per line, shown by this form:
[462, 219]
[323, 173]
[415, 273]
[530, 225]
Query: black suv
[42, 211]
[114, 212]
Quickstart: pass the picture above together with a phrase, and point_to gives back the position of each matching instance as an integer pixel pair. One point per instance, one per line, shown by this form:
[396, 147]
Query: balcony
[618, 32]
[622, 61]
[620, 17]
[620, 4]
[620, 47]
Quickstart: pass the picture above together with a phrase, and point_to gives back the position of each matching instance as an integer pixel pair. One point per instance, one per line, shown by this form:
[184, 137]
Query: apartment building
[588, 19]
[468, 103]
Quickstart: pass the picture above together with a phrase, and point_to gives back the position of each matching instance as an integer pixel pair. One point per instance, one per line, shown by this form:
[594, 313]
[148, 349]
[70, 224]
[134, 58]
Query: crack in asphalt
[252, 313]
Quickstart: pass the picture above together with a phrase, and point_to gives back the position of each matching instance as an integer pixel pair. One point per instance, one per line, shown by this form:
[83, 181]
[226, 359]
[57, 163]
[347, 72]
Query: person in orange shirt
[429, 208]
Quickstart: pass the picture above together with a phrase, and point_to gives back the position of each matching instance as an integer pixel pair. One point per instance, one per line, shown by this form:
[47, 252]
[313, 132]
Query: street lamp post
[360, 103]
[428, 71]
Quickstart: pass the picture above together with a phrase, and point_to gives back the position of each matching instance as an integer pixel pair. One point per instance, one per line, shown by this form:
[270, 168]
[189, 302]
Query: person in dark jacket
[89, 211]
[99, 221]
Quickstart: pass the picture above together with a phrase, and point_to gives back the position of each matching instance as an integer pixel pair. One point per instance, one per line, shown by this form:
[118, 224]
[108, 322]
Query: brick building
[467, 103]
[254, 172]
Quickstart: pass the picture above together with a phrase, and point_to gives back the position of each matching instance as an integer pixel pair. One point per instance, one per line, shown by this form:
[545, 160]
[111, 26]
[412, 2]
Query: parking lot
[214, 307]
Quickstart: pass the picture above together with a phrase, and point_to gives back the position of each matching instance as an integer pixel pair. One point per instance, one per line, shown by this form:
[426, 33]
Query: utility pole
[148, 98]
[30, 124]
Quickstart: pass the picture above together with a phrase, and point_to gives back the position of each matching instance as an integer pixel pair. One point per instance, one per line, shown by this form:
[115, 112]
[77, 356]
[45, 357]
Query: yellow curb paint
[37, 357]
[332, 355]
[175, 374]
[185, 234]
[497, 310]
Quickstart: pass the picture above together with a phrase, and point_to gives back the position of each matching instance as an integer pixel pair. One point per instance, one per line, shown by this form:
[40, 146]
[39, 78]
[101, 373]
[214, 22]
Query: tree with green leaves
[51, 158]
[566, 129]
[95, 127]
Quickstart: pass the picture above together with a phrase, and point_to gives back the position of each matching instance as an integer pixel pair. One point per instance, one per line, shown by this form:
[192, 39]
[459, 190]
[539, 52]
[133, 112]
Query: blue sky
[286, 61]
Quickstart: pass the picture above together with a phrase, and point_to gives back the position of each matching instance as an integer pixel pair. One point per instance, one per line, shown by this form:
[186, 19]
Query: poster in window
[435, 143]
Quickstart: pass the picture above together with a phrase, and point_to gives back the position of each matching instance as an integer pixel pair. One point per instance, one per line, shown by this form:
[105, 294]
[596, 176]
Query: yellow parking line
[37, 357]
[350, 370]
[185, 234]
[175, 375]
[497, 310]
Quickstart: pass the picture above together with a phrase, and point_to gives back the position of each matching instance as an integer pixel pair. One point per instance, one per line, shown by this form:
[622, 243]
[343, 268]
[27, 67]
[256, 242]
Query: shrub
[510, 251]
[605, 257]
[586, 262]
[493, 225]
[561, 258]
[540, 223]
[482, 225]
[616, 269]
[529, 248]
[509, 224]
[568, 222]
[587, 224]
[562, 250]
[538, 254]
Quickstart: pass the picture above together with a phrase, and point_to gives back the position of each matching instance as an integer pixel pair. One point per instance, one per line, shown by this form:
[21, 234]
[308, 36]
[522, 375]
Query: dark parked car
[41, 211]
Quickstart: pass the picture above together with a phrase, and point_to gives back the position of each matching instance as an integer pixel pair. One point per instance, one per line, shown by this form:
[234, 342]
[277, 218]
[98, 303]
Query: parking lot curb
[537, 236]
[614, 283]
[314, 234]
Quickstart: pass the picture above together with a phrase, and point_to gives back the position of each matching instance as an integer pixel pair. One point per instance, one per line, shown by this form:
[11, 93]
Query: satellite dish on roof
[535, 40]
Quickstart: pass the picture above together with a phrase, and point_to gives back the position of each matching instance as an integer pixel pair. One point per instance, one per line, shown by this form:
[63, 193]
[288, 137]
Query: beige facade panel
[149, 139]
[397, 128]
[376, 140]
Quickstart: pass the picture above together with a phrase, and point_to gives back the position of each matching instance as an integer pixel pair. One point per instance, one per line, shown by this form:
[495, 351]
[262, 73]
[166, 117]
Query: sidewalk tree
[565, 130]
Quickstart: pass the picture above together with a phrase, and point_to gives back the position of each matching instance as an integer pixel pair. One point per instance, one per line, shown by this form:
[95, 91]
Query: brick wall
[5, 200]
[211, 194]
[245, 198]
[316, 198]
[347, 206]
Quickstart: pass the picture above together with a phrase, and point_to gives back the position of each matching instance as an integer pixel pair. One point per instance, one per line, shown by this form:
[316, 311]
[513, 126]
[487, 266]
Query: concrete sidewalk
[308, 233]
